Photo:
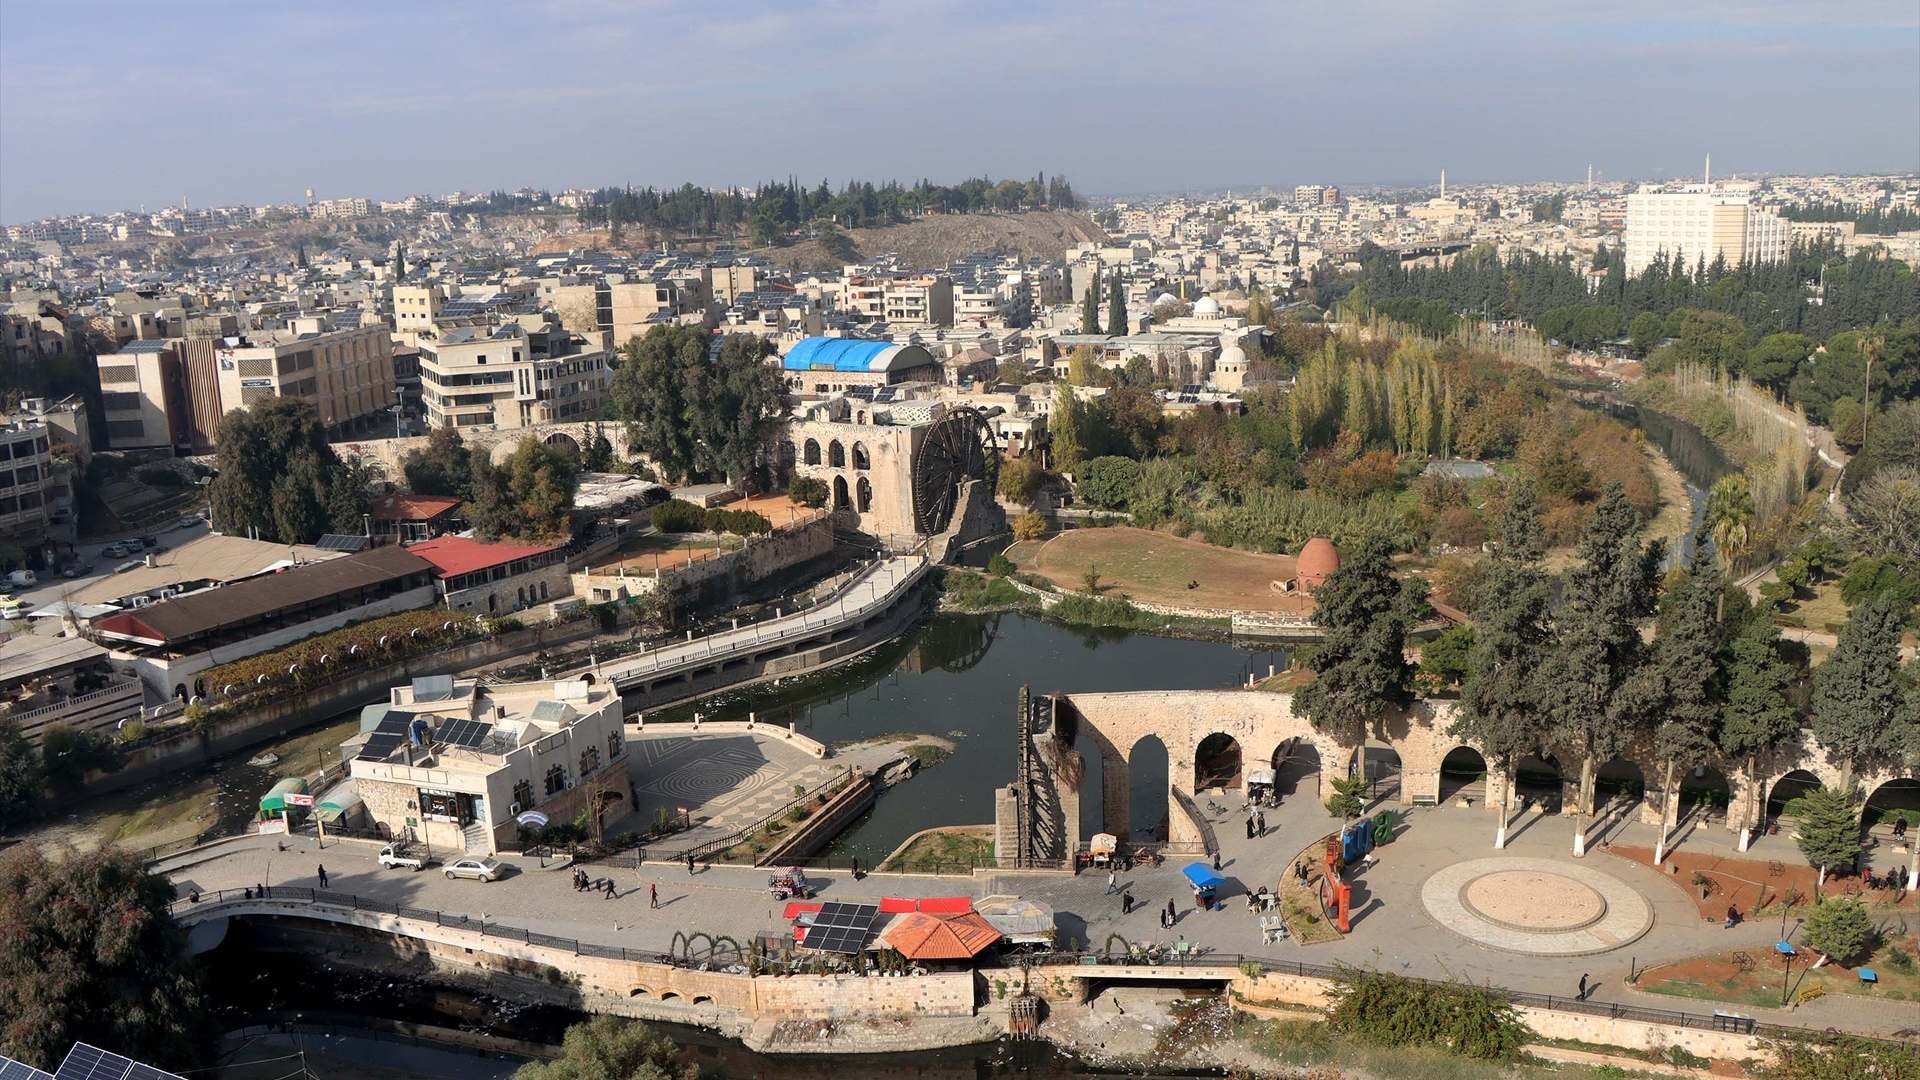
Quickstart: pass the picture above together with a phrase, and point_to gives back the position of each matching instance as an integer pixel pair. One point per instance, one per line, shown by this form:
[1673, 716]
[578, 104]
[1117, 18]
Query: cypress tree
[1116, 306]
[1090, 305]
[1360, 669]
[1856, 693]
[1683, 678]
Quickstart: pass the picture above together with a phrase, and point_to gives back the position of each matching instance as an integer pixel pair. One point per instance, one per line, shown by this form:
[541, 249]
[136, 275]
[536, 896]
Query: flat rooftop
[25, 656]
[479, 724]
[204, 558]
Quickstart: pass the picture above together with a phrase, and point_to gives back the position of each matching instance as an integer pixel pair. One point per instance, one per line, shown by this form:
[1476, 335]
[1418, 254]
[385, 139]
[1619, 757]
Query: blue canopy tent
[1203, 876]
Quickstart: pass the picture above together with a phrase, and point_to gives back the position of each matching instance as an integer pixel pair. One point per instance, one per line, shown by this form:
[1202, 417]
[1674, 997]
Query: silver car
[487, 869]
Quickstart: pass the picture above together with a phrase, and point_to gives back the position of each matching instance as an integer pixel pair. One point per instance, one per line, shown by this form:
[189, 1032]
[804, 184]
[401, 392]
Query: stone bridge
[1210, 739]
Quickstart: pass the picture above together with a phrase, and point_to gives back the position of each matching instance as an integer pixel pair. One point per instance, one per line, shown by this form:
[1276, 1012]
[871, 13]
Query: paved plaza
[1536, 907]
[1394, 930]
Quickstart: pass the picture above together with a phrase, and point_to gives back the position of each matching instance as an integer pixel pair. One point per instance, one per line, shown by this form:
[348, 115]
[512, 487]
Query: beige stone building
[454, 763]
[346, 375]
[143, 396]
[510, 376]
[1702, 222]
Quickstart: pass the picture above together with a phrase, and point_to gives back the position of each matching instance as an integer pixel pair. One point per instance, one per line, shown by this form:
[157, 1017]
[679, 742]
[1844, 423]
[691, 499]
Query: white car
[487, 869]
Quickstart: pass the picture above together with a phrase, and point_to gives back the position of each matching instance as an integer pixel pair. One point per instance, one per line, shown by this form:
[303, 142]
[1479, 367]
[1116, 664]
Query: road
[53, 587]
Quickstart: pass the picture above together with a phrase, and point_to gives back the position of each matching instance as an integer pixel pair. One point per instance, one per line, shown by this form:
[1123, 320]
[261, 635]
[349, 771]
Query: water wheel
[956, 449]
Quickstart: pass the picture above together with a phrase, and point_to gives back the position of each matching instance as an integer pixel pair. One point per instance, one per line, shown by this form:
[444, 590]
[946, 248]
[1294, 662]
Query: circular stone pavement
[1536, 906]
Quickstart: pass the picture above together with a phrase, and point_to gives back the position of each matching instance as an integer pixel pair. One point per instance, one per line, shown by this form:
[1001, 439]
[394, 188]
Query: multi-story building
[453, 763]
[1310, 195]
[29, 487]
[1702, 223]
[510, 377]
[143, 394]
[926, 299]
[32, 331]
[415, 307]
[346, 375]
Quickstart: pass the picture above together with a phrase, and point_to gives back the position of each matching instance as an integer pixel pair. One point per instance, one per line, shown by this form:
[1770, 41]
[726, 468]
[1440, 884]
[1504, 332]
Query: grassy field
[946, 849]
[1725, 976]
[1156, 568]
[1817, 606]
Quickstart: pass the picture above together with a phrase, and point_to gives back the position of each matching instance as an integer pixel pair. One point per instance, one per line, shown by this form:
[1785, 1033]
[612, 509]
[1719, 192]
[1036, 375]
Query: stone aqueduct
[1060, 734]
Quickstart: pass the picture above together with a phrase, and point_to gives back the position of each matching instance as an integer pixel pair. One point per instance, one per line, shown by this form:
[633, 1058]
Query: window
[860, 459]
[523, 792]
[836, 455]
[556, 779]
[589, 761]
[613, 745]
[812, 453]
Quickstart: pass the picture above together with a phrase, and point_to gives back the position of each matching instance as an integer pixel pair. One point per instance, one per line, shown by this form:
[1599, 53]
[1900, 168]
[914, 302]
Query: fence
[1231, 963]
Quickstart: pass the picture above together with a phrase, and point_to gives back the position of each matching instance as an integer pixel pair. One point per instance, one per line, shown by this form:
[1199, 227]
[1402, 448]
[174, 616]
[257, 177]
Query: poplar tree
[1116, 306]
[1501, 706]
[1856, 693]
[1090, 305]
[1595, 702]
[1360, 669]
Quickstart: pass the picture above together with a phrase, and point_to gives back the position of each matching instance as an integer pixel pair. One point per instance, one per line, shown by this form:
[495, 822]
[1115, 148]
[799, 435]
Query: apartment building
[1702, 223]
[510, 377]
[32, 331]
[630, 307]
[346, 375]
[143, 394]
[415, 307]
[29, 488]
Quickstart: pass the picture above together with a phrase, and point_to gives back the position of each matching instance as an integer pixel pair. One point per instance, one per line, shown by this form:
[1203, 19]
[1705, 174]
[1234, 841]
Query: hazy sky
[108, 105]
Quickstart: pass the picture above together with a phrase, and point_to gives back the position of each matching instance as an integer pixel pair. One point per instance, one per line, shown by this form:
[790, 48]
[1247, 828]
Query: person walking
[1216, 860]
[609, 884]
[1260, 819]
[1249, 827]
[689, 864]
[653, 896]
[1112, 877]
[1126, 903]
[323, 877]
[1583, 989]
[1173, 915]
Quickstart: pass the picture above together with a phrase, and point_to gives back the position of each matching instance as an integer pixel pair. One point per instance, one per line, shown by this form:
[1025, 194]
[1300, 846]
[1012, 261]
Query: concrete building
[510, 377]
[453, 763]
[50, 682]
[29, 487]
[143, 396]
[346, 375]
[1702, 223]
[494, 579]
[415, 307]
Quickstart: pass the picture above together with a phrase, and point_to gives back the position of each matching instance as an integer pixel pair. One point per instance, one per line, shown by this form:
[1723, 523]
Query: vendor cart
[789, 884]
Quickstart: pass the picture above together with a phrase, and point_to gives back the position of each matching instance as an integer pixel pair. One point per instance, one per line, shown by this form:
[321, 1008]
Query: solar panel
[433, 688]
[551, 711]
[468, 733]
[840, 927]
[86, 1062]
[20, 1070]
[387, 736]
[341, 542]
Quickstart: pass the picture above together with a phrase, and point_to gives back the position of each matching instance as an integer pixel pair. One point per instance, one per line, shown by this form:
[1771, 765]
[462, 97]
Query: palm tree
[1729, 517]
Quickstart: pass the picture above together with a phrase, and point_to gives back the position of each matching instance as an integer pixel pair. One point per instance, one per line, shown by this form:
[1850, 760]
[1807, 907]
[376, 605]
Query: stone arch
[840, 500]
[1542, 780]
[860, 459]
[863, 495]
[787, 454]
[1149, 780]
[810, 455]
[1785, 788]
[1618, 780]
[1464, 773]
[639, 992]
[180, 691]
[669, 996]
[1295, 762]
[1891, 797]
[836, 455]
[1704, 788]
[1098, 765]
[703, 999]
[564, 443]
[1377, 763]
[1217, 762]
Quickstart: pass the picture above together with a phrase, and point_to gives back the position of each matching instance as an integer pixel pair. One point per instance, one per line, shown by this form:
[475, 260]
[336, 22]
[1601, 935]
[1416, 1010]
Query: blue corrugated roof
[835, 354]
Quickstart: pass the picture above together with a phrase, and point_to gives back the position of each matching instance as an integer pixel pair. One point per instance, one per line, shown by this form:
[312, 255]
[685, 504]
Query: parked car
[117, 550]
[147, 542]
[76, 569]
[23, 579]
[407, 855]
[159, 549]
[487, 869]
[189, 521]
[12, 607]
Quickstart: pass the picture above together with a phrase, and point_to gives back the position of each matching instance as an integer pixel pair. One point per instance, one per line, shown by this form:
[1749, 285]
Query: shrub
[134, 730]
[1840, 928]
[808, 491]
[677, 515]
[1391, 1010]
[160, 476]
[1346, 801]
[1000, 566]
[1029, 526]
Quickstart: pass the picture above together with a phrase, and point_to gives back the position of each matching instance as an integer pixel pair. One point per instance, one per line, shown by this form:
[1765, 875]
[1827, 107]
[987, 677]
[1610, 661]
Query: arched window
[839, 493]
[860, 458]
[836, 455]
[863, 492]
[812, 453]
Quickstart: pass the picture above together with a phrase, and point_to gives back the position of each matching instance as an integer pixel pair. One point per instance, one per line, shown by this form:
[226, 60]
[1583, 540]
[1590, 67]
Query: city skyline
[380, 103]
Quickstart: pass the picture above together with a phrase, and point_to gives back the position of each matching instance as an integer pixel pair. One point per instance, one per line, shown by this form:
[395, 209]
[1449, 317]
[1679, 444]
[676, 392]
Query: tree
[740, 404]
[1445, 657]
[1063, 428]
[1347, 802]
[1360, 668]
[89, 952]
[1757, 716]
[650, 388]
[1502, 699]
[526, 499]
[597, 455]
[1684, 678]
[1729, 516]
[22, 781]
[1856, 693]
[1019, 481]
[1107, 482]
[443, 467]
[1828, 831]
[277, 474]
[1029, 526]
[1090, 580]
[1090, 304]
[67, 754]
[1594, 700]
[612, 1048]
[1840, 929]
[1643, 332]
[809, 491]
[1116, 306]
[1883, 515]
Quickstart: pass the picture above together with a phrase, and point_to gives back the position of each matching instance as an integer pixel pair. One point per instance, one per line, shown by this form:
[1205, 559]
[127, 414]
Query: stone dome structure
[1232, 354]
[1318, 560]
[1206, 307]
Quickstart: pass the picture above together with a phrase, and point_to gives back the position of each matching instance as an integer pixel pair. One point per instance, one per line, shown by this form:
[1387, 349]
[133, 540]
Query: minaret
[1589, 178]
[1707, 176]
[1443, 183]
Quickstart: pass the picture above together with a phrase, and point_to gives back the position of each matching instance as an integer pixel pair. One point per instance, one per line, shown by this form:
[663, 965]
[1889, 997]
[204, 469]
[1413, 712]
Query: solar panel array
[341, 542]
[840, 927]
[20, 1070]
[86, 1062]
[471, 734]
[550, 711]
[387, 736]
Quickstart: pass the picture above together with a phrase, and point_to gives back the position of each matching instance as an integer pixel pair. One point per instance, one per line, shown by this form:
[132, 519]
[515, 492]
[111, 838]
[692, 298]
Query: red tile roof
[411, 507]
[452, 556]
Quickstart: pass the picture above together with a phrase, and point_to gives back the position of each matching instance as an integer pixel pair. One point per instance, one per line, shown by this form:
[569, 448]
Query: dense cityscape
[913, 623]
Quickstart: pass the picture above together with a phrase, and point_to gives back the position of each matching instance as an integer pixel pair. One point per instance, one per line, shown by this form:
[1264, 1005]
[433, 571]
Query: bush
[1107, 482]
[1029, 526]
[1346, 801]
[1841, 929]
[160, 476]
[1391, 1010]
[1000, 566]
[678, 515]
[808, 491]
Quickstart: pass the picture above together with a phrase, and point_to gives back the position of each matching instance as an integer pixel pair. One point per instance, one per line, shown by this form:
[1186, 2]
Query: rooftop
[452, 556]
[460, 721]
[853, 354]
[404, 507]
[27, 655]
[207, 558]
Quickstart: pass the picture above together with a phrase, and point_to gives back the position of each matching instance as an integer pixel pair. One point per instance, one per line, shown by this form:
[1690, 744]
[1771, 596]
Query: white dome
[1233, 354]
[1165, 298]
[1206, 305]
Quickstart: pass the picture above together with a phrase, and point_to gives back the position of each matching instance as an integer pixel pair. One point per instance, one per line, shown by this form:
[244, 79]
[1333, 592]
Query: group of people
[1256, 824]
[604, 886]
[1895, 878]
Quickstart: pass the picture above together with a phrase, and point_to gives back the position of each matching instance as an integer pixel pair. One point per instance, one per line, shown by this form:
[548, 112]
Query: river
[1700, 462]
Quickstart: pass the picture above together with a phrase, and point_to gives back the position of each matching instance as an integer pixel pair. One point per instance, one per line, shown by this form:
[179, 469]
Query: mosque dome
[1318, 560]
[1232, 354]
[1207, 306]
[1165, 298]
